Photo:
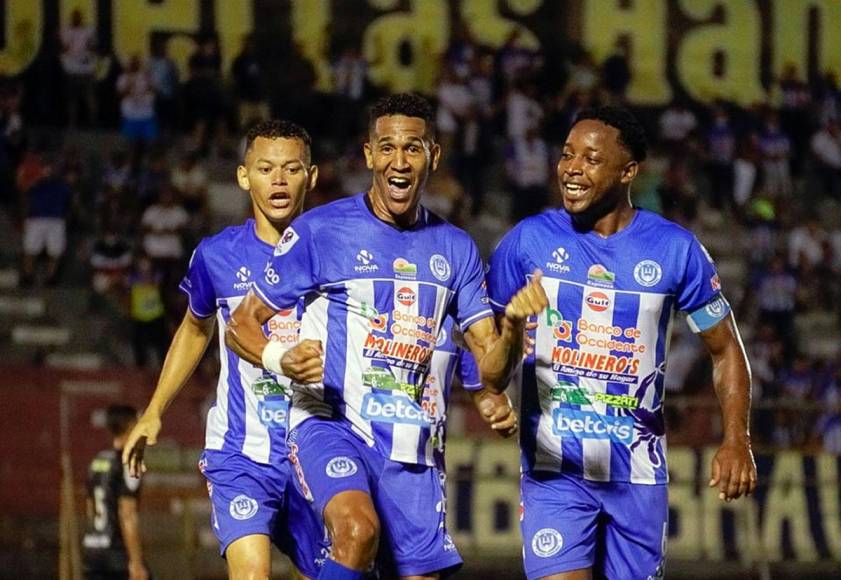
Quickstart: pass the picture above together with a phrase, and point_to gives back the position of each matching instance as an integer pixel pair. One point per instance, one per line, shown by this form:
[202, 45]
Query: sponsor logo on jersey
[621, 401]
[243, 275]
[440, 267]
[571, 422]
[647, 273]
[559, 257]
[547, 542]
[597, 301]
[379, 323]
[340, 466]
[570, 393]
[406, 296]
[366, 265]
[243, 507]
[715, 283]
[271, 276]
[267, 386]
[287, 241]
[598, 275]
[561, 329]
[396, 349]
[602, 367]
[389, 409]
[274, 413]
[404, 270]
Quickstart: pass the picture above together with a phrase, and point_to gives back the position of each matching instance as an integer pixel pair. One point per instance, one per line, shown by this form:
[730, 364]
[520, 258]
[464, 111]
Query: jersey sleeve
[699, 293]
[468, 371]
[472, 291]
[292, 271]
[198, 286]
[505, 271]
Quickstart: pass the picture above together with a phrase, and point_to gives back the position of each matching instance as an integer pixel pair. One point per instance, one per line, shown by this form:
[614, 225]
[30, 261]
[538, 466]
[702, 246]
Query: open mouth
[399, 187]
[280, 200]
[575, 190]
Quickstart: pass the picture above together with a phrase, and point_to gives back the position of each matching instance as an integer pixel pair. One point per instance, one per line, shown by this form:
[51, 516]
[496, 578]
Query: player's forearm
[187, 348]
[502, 356]
[731, 377]
[245, 337]
[130, 527]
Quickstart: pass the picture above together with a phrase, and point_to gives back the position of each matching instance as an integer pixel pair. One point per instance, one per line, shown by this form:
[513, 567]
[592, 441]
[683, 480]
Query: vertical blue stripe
[384, 303]
[661, 473]
[625, 315]
[334, 351]
[569, 303]
[235, 434]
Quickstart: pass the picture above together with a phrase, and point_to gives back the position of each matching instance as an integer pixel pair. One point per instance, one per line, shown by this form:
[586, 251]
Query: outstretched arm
[130, 527]
[733, 467]
[499, 353]
[185, 352]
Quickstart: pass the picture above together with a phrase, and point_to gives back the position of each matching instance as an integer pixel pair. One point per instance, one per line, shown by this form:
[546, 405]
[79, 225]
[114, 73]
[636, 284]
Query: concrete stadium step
[817, 323]
[78, 361]
[9, 278]
[16, 306]
[40, 335]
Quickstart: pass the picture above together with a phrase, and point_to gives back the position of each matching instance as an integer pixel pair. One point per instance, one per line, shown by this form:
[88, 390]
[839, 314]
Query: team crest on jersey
[547, 542]
[647, 273]
[440, 267]
[715, 308]
[340, 466]
[289, 238]
[243, 507]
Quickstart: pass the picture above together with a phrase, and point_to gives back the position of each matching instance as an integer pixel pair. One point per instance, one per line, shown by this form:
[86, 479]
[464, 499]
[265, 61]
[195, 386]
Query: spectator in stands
[153, 176]
[190, 180]
[247, 74]
[45, 204]
[11, 139]
[677, 122]
[528, 168]
[164, 74]
[164, 224]
[828, 426]
[118, 171]
[456, 118]
[794, 100]
[78, 60]
[826, 146]
[721, 150]
[111, 260]
[616, 72]
[350, 72]
[806, 244]
[776, 294]
[203, 98]
[147, 312]
[137, 106]
[523, 112]
[775, 151]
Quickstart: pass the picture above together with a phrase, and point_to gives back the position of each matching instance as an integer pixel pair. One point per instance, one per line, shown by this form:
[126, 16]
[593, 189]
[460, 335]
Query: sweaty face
[401, 155]
[595, 169]
[276, 174]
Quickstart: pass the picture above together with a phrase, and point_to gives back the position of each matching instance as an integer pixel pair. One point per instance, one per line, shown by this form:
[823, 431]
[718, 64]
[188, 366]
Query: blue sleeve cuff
[709, 315]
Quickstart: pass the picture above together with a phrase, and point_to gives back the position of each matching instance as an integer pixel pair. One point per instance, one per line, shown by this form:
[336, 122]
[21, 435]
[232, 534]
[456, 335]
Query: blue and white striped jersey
[251, 412]
[592, 394]
[375, 297]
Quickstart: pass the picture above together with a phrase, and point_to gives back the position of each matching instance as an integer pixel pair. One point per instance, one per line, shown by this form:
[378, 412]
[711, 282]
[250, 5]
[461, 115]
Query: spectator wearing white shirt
[523, 111]
[806, 245]
[676, 124]
[826, 145]
[527, 165]
[164, 225]
[137, 103]
[78, 61]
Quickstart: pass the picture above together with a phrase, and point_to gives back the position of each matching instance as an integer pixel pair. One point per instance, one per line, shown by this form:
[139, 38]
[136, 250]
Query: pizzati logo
[340, 467]
[647, 273]
[243, 507]
[547, 542]
[440, 267]
[406, 296]
[597, 301]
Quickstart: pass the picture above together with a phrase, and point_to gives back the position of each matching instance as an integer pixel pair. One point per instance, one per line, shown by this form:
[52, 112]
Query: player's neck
[606, 223]
[403, 222]
[270, 232]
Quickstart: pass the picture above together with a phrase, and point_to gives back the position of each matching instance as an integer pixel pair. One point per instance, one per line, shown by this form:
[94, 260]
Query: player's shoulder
[229, 236]
[326, 215]
[438, 226]
[549, 224]
[654, 225]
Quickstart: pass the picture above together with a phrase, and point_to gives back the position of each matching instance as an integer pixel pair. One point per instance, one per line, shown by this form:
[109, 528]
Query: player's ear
[242, 178]
[435, 154]
[313, 177]
[369, 158]
[629, 172]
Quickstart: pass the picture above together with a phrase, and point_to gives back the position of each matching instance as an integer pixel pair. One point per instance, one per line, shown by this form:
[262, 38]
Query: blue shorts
[409, 499]
[252, 498]
[145, 130]
[618, 529]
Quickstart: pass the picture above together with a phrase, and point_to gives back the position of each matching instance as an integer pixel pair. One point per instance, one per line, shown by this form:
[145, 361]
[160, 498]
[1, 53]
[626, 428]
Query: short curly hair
[406, 104]
[278, 129]
[631, 133]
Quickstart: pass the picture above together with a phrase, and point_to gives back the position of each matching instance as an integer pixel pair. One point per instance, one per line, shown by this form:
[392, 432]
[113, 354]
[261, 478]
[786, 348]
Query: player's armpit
[244, 333]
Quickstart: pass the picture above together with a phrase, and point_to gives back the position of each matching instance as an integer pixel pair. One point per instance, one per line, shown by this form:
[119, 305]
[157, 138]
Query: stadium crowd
[765, 178]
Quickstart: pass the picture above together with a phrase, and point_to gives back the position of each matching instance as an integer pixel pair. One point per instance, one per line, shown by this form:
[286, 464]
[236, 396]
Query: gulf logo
[406, 296]
[597, 301]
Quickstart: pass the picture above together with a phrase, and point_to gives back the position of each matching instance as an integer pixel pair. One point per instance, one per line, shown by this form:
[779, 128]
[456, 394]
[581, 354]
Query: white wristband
[272, 354]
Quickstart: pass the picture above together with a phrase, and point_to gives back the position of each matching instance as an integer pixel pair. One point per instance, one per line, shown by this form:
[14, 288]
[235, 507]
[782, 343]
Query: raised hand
[733, 470]
[497, 412]
[143, 434]
[304, 363]
[530, 300]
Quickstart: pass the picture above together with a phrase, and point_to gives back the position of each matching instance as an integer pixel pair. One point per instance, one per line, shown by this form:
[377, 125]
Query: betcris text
[274, 413]
[588, 425]
[388, 409]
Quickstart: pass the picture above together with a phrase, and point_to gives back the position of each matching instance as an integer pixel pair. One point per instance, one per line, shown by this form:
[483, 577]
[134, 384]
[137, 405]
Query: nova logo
[559, 256]
[388, 409]
[597, 301]
[567, 422]
[274, 413]
[406, 296]
[365, 258]
[243, 274]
